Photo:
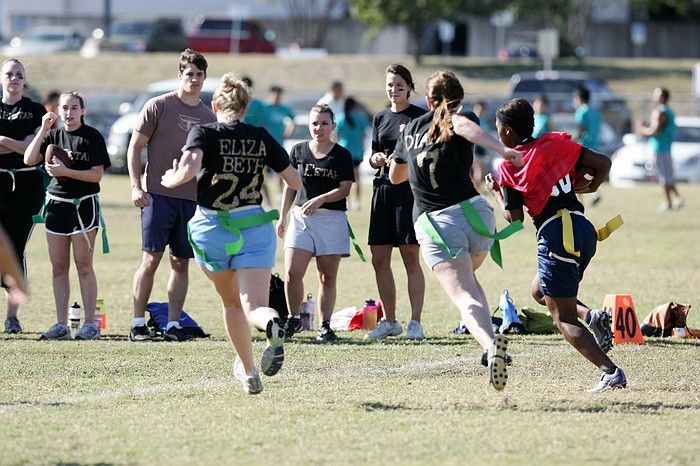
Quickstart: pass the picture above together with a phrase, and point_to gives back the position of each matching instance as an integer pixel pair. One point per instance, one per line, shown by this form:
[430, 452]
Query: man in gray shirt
[162, 127]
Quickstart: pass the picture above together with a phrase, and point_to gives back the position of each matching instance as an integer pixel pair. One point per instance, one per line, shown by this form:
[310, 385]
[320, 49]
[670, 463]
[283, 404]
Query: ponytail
[445, 94]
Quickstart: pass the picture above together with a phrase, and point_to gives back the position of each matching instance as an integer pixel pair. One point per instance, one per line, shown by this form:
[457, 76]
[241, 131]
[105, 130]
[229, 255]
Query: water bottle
[74, 319]
[304, 316]
[311, 310]
[369, 315]
[100, 314]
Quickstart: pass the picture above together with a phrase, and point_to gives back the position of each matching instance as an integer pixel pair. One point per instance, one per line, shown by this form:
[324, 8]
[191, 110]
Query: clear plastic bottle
[311, 309]
[74, 318]
[369, 315]
[304, 316]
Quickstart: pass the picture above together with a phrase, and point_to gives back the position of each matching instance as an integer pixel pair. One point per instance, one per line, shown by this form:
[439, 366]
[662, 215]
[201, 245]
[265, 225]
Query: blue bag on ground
[511, 321]
[159, 320]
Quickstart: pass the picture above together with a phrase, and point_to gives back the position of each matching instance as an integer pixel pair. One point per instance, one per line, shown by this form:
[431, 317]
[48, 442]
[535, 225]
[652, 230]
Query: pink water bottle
[369, 315]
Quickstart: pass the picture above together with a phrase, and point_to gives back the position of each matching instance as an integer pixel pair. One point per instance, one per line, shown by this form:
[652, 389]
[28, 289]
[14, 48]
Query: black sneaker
[292, 326]
[273, 355]
[326, 333]
[140, 333]
[177, 334]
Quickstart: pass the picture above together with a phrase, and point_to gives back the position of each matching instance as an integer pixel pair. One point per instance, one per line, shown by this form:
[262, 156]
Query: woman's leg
[459, 282]
[59, 254]
[295, 263]
[327, 267]
[564, 312]
[82, 256]
[410, 253]
[381, 261]
[226, 284]
[254, 290]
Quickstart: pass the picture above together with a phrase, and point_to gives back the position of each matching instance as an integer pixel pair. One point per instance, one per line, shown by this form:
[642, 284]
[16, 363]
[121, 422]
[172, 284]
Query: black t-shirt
[86, 148]
[17, 122]
[386, 128]
[562, 197]
[320, 176]
[233, 166]
[438, 172]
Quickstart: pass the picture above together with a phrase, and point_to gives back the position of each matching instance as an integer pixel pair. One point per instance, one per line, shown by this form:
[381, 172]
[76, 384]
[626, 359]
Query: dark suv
[559, 87]
[227, 35]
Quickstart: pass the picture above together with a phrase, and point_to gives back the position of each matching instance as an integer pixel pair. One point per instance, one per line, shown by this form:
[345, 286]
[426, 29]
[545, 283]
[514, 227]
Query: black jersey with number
[387, 126]
[438, 171]
[17, 122]
[234, 161]
[320, 176]
[86, 149]
[562, 197]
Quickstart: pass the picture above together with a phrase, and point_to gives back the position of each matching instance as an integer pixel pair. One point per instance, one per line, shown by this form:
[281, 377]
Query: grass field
[116, 402]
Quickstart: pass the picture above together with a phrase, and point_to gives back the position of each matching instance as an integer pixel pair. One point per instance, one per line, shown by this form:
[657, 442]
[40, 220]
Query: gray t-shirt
[166, 121]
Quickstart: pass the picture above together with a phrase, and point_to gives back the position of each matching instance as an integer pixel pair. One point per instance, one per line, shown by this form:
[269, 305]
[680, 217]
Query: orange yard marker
[625, 323]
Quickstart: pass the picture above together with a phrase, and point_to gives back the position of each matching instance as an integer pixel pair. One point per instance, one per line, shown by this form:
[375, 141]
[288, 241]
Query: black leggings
[17, 208]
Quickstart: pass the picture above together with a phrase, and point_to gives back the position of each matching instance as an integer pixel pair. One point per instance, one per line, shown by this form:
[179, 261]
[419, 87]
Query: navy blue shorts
[164, 223]
[560, 272]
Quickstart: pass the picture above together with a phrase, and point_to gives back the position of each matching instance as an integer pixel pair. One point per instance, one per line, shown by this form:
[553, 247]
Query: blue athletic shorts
[259, 243]
[164, 223]
[560, 272]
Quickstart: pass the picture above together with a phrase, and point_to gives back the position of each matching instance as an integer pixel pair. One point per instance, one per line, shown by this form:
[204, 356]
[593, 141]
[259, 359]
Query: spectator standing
[334, 98]
[21, 186]
[351, 128]
[542, 123]
[661, 131]
[588, 126]
[163, 126]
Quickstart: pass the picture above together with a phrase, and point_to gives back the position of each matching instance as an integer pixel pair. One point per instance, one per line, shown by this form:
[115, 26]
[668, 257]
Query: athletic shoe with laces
[292, 326]
[252, 384]
[498, 374]
[140, 333]
[176, 333]
[385, 329]
[88, 332]
[12, 325]
[325, 333]
[600, 325]
[273, 354]
[414, 331]
[617, 379]
[58, 331]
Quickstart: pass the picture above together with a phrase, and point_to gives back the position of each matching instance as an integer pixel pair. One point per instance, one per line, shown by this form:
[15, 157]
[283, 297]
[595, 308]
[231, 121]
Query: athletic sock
[611, 371]
[138, 322]
[171, 324]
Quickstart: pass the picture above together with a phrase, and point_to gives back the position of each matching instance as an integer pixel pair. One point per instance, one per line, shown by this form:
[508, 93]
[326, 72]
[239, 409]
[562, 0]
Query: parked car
[159, 35]
[227, 35]
[633, 162]
[103, 109]
[120, 132]
[559, 87]
[43, 40]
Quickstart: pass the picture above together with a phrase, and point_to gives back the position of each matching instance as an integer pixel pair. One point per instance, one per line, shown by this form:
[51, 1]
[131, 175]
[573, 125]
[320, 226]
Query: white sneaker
[252, 384]
[678, 203]
[617, 379]
[414, 331]
[385, 329]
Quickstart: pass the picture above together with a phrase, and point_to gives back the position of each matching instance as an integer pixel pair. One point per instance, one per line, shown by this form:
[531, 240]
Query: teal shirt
[353, 137]
[255, 115]
[589, 119]
[276, 116]
[541, 124]
[661, 142]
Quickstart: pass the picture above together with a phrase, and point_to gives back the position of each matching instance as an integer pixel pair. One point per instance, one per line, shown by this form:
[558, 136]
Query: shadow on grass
[672, 342]
[626, 407]
[378, 406]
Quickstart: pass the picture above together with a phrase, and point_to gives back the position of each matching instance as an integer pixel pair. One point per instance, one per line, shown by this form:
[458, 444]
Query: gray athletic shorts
[324, 233]
[456, 232]
[664, 168]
